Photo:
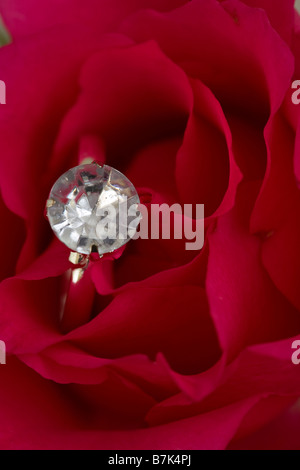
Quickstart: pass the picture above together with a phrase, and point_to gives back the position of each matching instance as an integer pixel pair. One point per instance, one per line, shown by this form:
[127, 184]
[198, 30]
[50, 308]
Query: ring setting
[93, 208]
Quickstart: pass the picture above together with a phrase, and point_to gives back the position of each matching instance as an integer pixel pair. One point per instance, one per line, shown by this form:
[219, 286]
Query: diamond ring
[92, 208]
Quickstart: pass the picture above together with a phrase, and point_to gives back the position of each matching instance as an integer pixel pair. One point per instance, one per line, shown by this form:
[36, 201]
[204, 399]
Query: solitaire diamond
[93, 208]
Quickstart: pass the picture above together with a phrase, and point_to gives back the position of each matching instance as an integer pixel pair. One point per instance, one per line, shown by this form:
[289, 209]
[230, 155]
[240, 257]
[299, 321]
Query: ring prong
[50, 203]
[87, 161]
[78, 259]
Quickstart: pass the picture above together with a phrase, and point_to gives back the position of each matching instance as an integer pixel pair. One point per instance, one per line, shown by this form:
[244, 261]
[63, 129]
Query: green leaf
[5, 37]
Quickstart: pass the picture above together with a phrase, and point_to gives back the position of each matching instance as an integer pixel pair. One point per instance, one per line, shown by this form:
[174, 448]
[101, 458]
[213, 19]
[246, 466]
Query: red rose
[181, 350]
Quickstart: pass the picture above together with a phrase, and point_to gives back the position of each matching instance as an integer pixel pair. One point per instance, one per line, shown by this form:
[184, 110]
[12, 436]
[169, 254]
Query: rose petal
[206, 172]
[280, 434]
[27, 132]
[241, 48]
[28, 323]
[245, 305]
[159, 158]
[261, 414]
[121, 329]
[12, 236]
[65, 421]
[22, 405]
[281, 14]
[31, 17]
[276, 212]
[136, 94]
[259, 372]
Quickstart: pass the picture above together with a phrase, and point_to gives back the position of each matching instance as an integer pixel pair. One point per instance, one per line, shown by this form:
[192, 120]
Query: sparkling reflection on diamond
[83, 200]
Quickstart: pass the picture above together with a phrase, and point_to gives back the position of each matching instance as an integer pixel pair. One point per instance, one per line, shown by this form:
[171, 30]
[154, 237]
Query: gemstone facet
[93, 207]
